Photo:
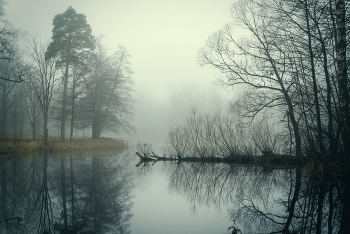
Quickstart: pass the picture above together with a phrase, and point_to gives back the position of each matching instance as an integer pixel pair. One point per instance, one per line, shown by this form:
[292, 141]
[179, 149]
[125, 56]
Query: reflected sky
[158, 209]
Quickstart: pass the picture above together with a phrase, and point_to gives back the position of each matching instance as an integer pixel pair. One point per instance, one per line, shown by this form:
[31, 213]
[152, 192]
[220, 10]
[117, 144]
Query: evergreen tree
[72, 40]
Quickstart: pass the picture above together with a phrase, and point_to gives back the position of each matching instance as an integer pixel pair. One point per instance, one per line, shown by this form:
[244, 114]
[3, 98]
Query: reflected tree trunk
[331, 209]
[72, 190]
[294, 199]
[43, 217]
[64, 195]
[3, 199]
[96, 196]
[320, 201]
[345, 224]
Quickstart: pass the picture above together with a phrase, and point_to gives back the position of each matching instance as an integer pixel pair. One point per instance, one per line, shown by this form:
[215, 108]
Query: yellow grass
[25, 146]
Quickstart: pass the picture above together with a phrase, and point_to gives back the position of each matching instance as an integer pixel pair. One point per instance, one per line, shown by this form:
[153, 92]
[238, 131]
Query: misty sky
[163, 38]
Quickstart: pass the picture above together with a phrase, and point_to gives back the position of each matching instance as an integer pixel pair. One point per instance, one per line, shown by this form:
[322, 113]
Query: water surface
[104, 192]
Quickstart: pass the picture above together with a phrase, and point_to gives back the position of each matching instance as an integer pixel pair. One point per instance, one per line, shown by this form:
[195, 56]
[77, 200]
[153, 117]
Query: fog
[163, 38]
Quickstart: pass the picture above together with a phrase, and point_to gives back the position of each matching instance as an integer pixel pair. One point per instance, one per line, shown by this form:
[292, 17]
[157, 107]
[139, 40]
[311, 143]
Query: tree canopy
[71, 37]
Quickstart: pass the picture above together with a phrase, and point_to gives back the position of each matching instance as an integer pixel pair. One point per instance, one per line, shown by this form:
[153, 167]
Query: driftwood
[144, 157]
[153, 157]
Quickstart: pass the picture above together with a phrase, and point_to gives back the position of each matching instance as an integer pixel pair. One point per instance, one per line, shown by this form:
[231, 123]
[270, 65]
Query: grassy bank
[26, 146]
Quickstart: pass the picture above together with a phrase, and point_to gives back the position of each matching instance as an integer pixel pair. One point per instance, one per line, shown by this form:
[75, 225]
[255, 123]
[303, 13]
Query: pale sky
[163, 38]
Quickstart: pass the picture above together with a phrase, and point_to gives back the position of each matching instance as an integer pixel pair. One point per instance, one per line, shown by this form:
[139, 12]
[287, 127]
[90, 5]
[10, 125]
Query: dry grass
[25, 146]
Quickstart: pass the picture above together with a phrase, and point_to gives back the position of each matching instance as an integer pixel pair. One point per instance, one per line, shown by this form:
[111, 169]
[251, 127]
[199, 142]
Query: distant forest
[55, 87]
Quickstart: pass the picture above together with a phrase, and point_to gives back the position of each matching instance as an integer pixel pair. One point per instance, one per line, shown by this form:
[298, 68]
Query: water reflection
[92, 194]
[264, 201]
[66, 195]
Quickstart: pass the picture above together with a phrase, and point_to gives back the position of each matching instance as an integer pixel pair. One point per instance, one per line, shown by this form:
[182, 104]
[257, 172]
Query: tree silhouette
[71, 39]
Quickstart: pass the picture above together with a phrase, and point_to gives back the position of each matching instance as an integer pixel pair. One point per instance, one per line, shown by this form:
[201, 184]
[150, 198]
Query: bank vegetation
[24, 146]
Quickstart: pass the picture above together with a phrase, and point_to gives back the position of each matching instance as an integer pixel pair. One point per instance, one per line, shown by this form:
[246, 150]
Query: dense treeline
[293, 59]
[69, 83]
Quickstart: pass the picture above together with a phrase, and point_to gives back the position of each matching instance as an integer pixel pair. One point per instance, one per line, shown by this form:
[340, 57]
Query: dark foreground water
[104, 192]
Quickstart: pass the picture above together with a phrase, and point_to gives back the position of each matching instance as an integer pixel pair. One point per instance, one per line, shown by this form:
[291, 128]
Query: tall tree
[71, 39]
[342, 76]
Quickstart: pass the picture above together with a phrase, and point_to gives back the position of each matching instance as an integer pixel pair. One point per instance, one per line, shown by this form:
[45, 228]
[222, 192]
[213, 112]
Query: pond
[104, 192]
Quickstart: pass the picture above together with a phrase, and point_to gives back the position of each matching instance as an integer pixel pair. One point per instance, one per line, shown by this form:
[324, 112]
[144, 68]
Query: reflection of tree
[25, 199]
[66, 196]
[43, 210]
[96, 196]
[11, 191]
[274, 201]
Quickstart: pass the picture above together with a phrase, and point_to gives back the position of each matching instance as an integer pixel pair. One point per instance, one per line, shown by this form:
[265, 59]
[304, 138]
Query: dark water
[103, 192]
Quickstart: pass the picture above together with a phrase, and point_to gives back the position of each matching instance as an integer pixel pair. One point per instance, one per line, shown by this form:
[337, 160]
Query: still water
[104, 192]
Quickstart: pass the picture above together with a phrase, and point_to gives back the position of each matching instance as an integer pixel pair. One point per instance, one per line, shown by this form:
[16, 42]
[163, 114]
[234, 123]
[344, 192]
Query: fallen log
[144, 157]
[156, 156]
[140, 155]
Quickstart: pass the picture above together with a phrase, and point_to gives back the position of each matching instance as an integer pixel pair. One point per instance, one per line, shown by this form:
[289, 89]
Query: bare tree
[44, 79]
[107, 102]
[258, 62]
[12, 70]
[33, 110]
[289, 60]
[206, 135]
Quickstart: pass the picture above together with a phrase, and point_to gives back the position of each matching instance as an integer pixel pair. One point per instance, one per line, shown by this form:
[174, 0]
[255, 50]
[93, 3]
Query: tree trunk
[96, 123]
[46, 131]
[96, 132]
[64, 104]
[3, 108]
[290, 107]
[72, 113]
[342, 76]
[332, 146]
[314, 83]
[34, 129]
